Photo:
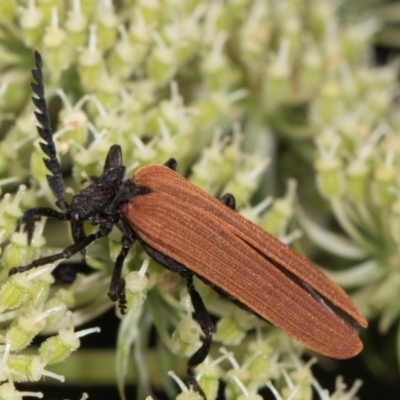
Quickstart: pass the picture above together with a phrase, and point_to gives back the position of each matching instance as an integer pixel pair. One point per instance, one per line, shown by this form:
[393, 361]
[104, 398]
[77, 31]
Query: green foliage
[220, 86]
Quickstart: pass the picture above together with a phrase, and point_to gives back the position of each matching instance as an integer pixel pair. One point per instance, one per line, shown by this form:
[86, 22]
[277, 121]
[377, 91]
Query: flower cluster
[220, 86]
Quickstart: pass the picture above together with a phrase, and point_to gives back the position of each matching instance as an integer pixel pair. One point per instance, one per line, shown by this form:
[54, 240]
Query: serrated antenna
[56, 181]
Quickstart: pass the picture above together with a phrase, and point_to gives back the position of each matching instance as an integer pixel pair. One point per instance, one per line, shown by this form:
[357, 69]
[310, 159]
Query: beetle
[191, 233]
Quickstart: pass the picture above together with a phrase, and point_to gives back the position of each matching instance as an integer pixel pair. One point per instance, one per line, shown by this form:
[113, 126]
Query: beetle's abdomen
[214, 242]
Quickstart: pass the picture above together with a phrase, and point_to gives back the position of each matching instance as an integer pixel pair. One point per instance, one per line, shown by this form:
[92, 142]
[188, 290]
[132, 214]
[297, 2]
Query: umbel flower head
[244, 94]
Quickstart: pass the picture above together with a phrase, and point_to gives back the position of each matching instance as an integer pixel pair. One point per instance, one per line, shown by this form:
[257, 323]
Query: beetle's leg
[229, 200]
[200, 312]
[171, 164]
[163, 260]
[117, 285]
[30, 216]
[78, 234]
[114, 157]
[55, 180]
[206, 325]
[104, 230]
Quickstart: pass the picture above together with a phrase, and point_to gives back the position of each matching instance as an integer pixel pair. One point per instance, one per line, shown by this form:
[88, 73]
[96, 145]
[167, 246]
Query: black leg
[30, 216]
[206, 325]
[78, 234]
[200, 312]
[171, 164]
[229, 200]
[164, 260]
[117, 285]
[104, 230]
[55, 180]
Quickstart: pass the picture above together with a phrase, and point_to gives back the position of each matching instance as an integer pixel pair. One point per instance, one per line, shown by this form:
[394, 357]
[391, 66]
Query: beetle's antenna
[56, 181]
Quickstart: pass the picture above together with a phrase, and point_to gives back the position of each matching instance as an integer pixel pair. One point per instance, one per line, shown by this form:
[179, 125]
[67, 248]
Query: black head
[98, 201]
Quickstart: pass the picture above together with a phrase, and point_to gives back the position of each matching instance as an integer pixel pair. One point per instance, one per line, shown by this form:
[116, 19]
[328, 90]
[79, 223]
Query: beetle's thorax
[99, 197]
[105, 196]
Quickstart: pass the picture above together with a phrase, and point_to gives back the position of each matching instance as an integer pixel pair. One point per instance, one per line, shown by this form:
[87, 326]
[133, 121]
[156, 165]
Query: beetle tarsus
[122, 303]
[104, 230]
[17, 270]
[117, 285]
[196, 387]
[31, 216]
